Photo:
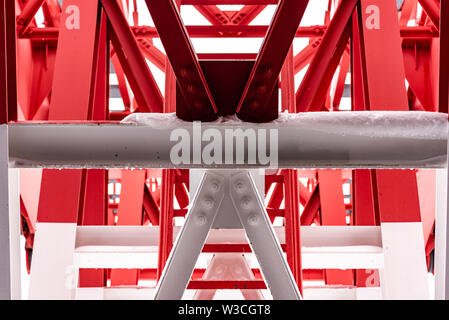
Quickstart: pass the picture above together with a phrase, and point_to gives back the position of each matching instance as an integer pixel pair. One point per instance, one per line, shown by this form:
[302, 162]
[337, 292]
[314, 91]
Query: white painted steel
[391, 141]
[53, 273]
[10, 287]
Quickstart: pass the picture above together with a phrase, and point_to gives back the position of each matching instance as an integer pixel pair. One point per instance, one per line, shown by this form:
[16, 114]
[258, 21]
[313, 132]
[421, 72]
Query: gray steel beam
[368, 140]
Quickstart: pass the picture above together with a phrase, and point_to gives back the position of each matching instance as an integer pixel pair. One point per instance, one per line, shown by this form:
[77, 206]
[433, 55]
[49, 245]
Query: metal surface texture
[339, 106]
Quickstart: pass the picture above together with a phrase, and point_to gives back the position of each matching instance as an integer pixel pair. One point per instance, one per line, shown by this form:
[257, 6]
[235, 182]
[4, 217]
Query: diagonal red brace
[325, 61]
[184, 61]
[141, 80]
[253, 104]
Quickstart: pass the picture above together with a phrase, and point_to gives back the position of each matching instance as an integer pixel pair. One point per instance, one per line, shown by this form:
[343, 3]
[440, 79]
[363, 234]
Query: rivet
[214, 186]
[261, 89]
[186, 72]
[253, 219]
[208, 203]
[239, 186]
[198, 104]
[246, 202]
[192, 88]
[201, 219]
[254, 105]
[267, 72]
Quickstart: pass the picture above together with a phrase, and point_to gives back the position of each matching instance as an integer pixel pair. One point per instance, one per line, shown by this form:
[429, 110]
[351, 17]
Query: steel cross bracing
[361, 55]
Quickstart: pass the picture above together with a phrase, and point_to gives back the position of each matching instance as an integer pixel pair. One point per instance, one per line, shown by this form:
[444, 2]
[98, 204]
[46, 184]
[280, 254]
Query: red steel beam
[52, 13]
[213, 14]
[229, 31]
[226, 284]
[288, 83]
[130, 214]
[28, 13]
[292, 225]
[8, 70]
[305, 55]
[309, 274]
[311, 208]
[150, 206]
[166, 218]
[146, 91]
[228, 2]
[333, 213]
[315, 84]
[432, 10]
[264, 75]
[183, 59]
[364, 214]
[444, 61]
[247, 14]
[153, 54]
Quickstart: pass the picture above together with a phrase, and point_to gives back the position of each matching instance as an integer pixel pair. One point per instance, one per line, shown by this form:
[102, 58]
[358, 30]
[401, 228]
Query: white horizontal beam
[337, 247]
[315, 140]
[310, 293]
[311, 236]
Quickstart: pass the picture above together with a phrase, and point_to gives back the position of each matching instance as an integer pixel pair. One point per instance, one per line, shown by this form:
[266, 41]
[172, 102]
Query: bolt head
[201, 219]
[261, 89]
[199, 104]
[208, 203]
[254, 105]
[268, 72]
[186, 72]
[239, 186]
[253, 219]
[214, 186]
[246, 202]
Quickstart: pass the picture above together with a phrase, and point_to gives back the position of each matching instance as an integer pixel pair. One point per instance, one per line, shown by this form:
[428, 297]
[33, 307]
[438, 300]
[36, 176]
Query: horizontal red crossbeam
[308, 274]
[228, 2]
[226, 284]
[419, 32]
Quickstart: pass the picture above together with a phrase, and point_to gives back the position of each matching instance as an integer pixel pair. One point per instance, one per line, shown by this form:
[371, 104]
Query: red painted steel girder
[292, 225]
[444, 61]
[140, 78]
[213, 14]
[229, 31]
[247, 14]
[264, 75]
[28, 13]
[52, 13]
[312, 89]
[432, 10]
[8, 77]
[183, 60]
[166, 219]
[228, 2]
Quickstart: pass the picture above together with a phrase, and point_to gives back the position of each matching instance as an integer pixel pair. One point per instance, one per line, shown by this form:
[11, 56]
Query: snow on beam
[383, 139]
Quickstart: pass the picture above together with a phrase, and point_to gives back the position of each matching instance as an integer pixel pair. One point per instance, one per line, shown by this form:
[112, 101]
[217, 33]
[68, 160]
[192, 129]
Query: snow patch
[412, 124]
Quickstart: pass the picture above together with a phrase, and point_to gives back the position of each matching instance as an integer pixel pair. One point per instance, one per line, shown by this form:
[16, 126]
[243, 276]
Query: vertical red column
[129, 214]
[333, 213]
[79, 93]
[381, 47]
[376, 48]
[291, 187]
[292, 225]
[166, 219]
[168, 177]
[364, 215]
[8, 78]
[71, 100]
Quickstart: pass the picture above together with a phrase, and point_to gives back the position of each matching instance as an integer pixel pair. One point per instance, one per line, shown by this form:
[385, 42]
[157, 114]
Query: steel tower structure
[360, 230]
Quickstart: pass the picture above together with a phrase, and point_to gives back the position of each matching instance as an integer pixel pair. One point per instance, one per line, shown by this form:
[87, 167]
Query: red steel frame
[65, 76]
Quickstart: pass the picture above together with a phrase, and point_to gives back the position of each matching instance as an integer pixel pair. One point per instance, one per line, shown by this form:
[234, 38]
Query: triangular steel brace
[252, 214]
